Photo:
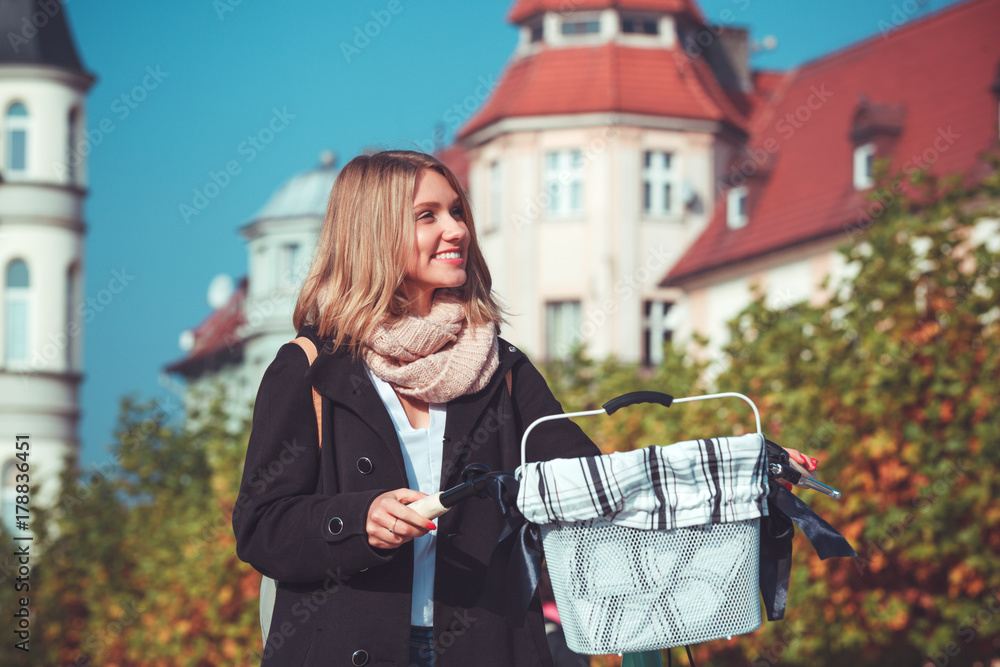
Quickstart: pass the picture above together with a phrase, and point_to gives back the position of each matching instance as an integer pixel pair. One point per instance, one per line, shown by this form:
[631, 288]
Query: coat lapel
[344, 380]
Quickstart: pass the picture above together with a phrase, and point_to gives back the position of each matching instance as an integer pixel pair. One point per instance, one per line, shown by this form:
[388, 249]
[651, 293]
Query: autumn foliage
[893, 384]
[138, 562]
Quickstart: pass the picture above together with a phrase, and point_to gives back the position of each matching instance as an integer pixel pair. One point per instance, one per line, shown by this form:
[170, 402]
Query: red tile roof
[610, 78]
[525, 9]
[216, 339]
[935, 75]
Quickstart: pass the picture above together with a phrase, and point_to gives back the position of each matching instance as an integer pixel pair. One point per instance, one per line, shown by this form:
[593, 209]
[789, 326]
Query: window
[640, 26]
[260, 272]
[8, 496]
[537, 32]
[496, 197]
[656, 331]
[70, 292]
[864, 166]
[16, 313]
[563, 322]
[581, 27]
[564, 182]
[288, 266]
[659, 183]
[17, 139]
[72, 159]
[737, 210]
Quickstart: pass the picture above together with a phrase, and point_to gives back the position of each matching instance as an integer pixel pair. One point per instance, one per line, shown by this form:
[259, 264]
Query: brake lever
[783, 468]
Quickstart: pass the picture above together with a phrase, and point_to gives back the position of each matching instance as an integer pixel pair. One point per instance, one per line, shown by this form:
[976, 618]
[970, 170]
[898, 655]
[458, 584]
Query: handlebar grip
[634, 397]
[429, 507]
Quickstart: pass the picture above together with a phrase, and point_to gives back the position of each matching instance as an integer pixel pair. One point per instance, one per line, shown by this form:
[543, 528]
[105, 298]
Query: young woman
[413, 385]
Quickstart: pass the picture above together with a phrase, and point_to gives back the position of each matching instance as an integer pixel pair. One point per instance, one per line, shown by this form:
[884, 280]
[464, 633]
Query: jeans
[421, 647]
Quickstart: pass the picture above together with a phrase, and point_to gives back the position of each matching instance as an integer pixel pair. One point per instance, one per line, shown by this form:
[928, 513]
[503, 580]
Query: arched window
[8, 496]
[16, 301]
[73, 158]
[17, 139]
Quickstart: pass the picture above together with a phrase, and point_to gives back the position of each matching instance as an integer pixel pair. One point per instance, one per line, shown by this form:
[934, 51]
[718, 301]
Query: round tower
[43, 182]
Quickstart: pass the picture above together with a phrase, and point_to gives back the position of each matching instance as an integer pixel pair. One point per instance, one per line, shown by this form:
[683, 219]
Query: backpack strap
[311, 353]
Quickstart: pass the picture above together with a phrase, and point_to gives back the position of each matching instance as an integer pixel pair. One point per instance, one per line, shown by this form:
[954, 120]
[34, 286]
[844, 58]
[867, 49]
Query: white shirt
[422, 451]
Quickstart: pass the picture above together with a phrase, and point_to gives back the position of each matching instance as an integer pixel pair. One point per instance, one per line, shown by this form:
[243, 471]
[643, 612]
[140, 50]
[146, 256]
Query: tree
[894, 384]
[137, 560]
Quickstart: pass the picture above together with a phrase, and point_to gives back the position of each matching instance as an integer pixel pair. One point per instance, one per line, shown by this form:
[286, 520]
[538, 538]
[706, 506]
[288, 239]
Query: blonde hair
[367, 238]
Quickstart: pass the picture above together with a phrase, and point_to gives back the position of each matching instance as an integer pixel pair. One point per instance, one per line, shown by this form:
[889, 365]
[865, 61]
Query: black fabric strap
[776, 531]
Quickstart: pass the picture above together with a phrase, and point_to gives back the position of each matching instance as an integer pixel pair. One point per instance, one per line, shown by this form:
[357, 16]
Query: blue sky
[214, 72]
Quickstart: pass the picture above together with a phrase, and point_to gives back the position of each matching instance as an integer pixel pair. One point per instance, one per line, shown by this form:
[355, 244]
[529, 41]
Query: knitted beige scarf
[435, 358]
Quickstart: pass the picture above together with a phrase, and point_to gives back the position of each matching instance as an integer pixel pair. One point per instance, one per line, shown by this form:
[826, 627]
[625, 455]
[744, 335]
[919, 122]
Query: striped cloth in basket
[689, 483]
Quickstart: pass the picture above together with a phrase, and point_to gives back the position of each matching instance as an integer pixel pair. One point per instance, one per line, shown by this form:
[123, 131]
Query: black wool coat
[301, 513]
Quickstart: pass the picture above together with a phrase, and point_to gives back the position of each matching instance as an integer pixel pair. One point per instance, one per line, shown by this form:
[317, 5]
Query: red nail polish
[431, 526]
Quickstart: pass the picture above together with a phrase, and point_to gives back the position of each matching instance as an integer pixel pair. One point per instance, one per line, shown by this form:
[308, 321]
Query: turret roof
[37, 33]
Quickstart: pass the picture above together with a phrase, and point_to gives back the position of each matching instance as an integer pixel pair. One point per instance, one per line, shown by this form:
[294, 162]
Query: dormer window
[737, 208]
[635, 25]
[581, 27]
[864, 166]
[537, 31]
[875, 129]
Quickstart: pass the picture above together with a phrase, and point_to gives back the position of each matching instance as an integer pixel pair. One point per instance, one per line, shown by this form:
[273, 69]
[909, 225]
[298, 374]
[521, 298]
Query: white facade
[607, 253]
[582, 215]
[42, 113]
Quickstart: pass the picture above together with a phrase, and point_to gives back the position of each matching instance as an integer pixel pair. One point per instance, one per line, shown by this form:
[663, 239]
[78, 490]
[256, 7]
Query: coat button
[512, 348]
[365, 465]
[359, 658]
[336, 525]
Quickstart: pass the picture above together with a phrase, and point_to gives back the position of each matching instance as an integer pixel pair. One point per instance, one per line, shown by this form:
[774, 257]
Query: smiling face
[441, 247]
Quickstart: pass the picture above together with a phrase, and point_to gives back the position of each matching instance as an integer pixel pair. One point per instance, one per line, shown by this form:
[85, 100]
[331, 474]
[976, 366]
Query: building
[593, 164]
[43, 183]
[634, 179]
[232, 347]
[922, 97]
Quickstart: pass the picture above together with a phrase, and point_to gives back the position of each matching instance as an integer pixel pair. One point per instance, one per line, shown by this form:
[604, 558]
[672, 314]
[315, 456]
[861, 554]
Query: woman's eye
[426, 215]
[457, 213]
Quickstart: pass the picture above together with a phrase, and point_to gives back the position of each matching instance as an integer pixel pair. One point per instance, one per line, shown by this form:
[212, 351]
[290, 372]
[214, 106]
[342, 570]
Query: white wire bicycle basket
[621, 589]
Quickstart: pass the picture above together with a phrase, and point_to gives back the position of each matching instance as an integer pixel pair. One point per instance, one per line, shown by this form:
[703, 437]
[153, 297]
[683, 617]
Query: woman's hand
[807, 462]
[391, 523]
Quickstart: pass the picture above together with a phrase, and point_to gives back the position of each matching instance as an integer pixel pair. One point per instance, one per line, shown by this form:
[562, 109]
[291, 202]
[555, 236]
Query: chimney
[734, 74]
